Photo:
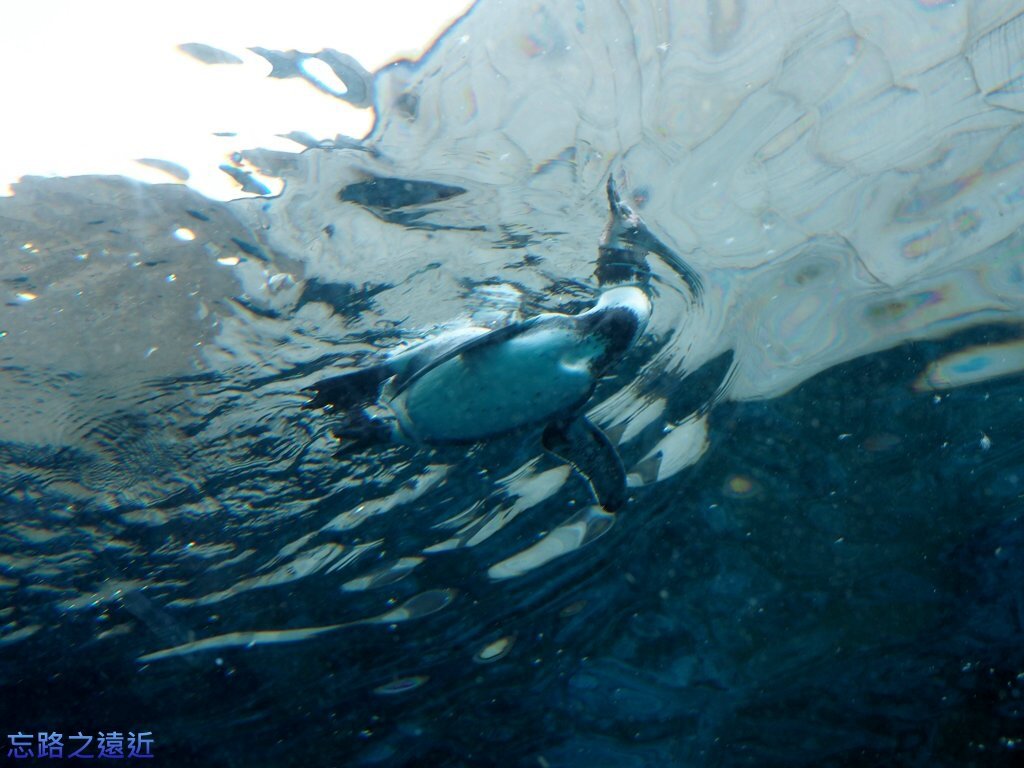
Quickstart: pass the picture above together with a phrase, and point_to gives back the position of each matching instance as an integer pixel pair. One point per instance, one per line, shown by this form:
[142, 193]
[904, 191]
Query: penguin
[476, 384]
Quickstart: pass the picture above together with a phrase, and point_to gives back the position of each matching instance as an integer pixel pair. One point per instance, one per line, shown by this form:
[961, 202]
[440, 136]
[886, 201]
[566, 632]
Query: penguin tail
[348, 390]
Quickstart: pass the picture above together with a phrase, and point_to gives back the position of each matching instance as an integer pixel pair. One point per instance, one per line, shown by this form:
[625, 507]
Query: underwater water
[821, 559]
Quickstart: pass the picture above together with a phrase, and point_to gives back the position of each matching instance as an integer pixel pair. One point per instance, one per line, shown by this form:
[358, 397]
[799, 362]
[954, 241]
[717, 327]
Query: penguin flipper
[349, 390]
[579, 442]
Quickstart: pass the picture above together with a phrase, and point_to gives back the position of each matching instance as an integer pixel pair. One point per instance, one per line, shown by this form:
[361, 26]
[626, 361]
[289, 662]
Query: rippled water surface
[821, 559]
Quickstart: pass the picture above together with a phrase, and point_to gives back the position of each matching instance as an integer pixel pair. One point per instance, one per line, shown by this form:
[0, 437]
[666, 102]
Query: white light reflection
[97, 98]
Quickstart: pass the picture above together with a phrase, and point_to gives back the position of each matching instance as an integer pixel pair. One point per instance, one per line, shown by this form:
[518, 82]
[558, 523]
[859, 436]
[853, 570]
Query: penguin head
[616, 322]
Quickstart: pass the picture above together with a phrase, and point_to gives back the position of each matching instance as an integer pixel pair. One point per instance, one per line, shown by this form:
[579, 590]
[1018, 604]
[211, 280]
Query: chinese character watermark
[105, 745]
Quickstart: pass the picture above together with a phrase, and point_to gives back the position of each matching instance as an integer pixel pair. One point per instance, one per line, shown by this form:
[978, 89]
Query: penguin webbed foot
[358, 430]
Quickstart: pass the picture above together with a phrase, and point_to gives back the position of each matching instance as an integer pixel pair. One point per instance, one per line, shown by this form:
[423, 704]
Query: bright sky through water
[90, 86]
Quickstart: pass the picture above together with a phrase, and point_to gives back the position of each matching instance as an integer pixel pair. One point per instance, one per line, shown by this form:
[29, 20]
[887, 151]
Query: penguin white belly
[493, 389]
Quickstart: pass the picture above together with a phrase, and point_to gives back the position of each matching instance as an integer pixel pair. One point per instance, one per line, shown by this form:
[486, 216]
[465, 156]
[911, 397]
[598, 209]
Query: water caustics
[844, 176]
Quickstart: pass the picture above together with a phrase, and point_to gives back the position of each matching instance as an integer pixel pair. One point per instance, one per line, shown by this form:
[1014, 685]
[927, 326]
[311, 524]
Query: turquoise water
[820, 561]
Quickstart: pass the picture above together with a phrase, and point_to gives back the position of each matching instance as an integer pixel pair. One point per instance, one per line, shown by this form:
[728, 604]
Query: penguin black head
[618, 319]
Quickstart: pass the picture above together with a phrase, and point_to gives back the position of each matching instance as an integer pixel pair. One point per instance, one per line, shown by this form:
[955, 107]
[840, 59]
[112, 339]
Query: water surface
[823, 568]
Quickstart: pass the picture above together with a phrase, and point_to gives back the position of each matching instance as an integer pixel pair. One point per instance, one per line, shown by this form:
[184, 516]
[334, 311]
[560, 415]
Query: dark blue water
[859, 604]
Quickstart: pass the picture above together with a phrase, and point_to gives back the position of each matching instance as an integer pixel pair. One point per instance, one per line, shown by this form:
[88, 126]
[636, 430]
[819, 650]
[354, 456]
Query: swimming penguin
[474, 384]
